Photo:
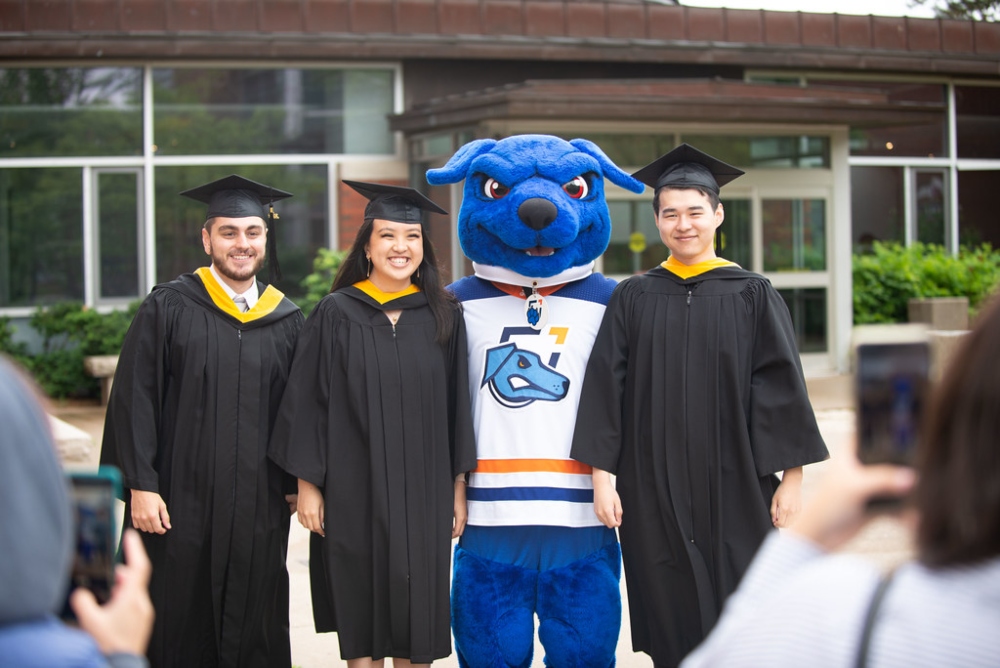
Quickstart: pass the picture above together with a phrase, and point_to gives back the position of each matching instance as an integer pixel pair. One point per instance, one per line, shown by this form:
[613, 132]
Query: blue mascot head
[533, 204]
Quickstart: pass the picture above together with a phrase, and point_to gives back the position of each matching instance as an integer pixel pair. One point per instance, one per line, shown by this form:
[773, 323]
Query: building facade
[851, 129]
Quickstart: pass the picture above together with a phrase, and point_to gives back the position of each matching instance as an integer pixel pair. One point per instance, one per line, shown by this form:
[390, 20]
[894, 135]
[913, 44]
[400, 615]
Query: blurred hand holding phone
[892, 367]
[93, 495]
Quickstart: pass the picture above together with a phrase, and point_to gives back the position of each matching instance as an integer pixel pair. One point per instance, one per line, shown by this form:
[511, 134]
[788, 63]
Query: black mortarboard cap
[396, 203]
[234, 196]
[687, 167]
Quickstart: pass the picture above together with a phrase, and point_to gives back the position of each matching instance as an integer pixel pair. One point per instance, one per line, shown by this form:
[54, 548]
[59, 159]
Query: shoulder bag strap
[861, 661]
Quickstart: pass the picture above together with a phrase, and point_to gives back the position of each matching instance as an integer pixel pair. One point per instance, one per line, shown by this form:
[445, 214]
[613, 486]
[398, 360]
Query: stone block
[946, 313]
[943, 346]
[103, 367]
[74, 445]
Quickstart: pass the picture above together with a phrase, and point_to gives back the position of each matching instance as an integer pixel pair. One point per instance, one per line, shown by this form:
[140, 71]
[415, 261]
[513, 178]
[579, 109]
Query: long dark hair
[443, 304]
[958, 492]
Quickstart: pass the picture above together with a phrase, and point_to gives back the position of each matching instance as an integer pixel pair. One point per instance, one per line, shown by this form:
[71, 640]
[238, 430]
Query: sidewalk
[883, 540]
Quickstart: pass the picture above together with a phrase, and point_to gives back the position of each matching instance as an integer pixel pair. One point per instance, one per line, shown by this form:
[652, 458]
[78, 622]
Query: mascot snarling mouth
[517, 377]
[533, 219]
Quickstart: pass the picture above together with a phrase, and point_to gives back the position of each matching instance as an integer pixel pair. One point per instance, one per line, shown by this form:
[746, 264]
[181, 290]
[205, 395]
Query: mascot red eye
[494, 189]
[577, 188]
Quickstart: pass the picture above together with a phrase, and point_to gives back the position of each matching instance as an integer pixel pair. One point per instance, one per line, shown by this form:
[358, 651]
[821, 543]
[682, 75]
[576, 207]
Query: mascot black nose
[537, 213]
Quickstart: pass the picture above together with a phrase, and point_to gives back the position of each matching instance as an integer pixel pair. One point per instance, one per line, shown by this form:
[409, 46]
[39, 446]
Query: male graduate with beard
[199, 380]
[694, 397]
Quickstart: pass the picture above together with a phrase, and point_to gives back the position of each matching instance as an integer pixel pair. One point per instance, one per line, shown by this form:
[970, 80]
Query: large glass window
[272, 111]
[630, 149]
[794, 234]
[65, 112]
[929, 190]
[797, 152]
[41, 236]
[635, 244]
[808, 310]
[792, 151]
[922, 131]
[978, 121]
[734, 238]
[301, 228]
[118, 218]
[977, 208]
[877, 211]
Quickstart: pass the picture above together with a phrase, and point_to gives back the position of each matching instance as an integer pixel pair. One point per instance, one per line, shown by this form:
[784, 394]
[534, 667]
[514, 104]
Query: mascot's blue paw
[492, 612]
[580, 611]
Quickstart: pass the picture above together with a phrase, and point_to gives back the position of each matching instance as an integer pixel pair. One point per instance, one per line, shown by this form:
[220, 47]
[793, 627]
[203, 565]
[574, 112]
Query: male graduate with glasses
[199, 379]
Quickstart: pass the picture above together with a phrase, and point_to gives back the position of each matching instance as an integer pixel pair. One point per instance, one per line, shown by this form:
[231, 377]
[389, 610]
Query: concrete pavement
[883, 540]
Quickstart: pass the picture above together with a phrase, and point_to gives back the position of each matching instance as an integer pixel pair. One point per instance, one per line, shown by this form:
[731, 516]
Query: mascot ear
[611, 171]
[455, 170]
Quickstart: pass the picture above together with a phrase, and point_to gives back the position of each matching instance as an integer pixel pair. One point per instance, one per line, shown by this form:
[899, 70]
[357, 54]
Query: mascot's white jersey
[526, 371]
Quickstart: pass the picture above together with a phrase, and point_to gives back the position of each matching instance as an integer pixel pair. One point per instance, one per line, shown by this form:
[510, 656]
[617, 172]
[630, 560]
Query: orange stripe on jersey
[532, 466]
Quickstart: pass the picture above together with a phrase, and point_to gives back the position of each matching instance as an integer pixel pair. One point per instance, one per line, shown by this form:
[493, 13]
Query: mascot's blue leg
[580, 611]
[492, 612]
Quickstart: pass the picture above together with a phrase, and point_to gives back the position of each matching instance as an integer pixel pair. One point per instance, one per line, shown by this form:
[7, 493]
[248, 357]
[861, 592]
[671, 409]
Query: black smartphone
[892, 384]
[92, 496]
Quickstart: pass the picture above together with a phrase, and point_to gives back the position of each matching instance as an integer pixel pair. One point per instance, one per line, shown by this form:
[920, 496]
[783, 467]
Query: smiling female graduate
[694, 397]
[376, 426]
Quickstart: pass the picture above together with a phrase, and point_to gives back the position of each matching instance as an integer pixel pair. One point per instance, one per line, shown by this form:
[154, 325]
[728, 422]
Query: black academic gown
[378, 417]
[189, 416]
[694, 397]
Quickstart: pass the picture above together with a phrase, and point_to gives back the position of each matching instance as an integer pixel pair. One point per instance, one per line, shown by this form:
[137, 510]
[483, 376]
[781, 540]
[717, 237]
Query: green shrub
[892, 274]
[317, 284]
[7, 345]
[70, 332]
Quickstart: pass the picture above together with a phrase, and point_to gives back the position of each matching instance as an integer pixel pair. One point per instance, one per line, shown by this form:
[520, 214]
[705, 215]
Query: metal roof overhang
[678, 100]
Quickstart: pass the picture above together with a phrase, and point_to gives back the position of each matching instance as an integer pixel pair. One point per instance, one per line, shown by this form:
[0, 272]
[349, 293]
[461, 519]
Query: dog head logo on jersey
[533, 204]
[518, 377]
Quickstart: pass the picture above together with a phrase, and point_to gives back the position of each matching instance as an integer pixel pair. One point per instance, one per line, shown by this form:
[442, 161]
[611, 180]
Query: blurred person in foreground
[36, 541]
[941, 609]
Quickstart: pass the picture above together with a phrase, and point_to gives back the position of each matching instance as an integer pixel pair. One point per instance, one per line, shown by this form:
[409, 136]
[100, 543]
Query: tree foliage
[317, 284]
[976, 10]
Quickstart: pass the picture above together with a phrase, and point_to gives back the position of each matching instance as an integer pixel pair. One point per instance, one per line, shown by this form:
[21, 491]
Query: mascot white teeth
[533, 220]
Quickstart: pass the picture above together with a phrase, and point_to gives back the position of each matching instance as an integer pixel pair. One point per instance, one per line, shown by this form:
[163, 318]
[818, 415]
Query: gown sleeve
[131, 426]
[301, 429]
[463, 438]
[597, 438]
[783, 429]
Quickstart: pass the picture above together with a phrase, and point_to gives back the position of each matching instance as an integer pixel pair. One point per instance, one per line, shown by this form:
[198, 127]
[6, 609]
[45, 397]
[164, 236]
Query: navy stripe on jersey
[529, 494]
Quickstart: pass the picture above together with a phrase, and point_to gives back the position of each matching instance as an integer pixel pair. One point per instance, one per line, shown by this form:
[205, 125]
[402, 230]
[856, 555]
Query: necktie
[241, 303]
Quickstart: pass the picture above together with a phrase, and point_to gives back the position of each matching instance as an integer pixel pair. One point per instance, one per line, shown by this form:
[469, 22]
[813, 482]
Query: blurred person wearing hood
[36, 540]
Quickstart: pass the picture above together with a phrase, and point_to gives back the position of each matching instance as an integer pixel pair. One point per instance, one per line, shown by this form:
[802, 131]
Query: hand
[836, 512]
[607, 503]
[787, 500]
[311, 508]
[149, 512]
[461, 510]
[293, 501]
[124, 623]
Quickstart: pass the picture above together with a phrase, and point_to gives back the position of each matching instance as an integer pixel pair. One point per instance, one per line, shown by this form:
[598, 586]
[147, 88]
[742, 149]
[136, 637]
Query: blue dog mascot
[533, 220]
